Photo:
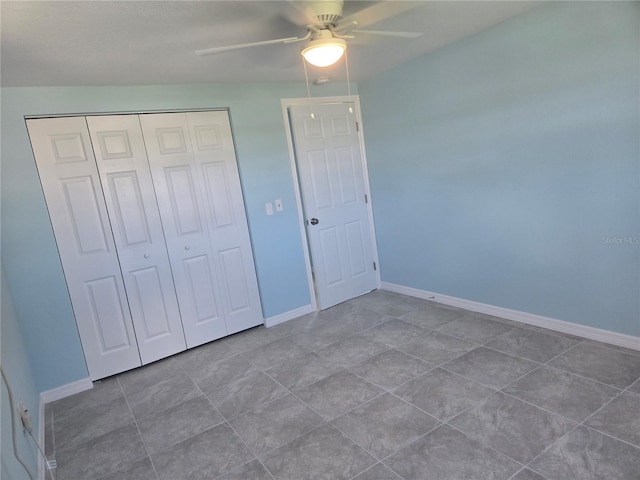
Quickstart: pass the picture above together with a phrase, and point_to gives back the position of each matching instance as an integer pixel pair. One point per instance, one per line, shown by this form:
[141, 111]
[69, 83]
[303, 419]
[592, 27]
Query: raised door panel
[82, 208]
[236, 282]
[202, 289]
[216, 178]
[319, 168]
[128, 208]
[185, 207]
[329, 244]
[139, 238]
[109, 318]
[217, 169]
[350, 184]
[182, 209]
[69, 178]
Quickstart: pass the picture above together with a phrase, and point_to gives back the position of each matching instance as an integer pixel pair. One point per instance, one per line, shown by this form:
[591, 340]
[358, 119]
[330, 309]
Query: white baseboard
[286, 316]
[65, 390]
[592, 333]
[51, 396]
[41, 425]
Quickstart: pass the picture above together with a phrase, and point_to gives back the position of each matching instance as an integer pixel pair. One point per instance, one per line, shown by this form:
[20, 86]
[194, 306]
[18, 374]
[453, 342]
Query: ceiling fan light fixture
[324, 51]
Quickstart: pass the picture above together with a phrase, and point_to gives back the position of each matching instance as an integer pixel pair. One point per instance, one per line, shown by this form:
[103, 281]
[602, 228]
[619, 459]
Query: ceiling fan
[327, 29]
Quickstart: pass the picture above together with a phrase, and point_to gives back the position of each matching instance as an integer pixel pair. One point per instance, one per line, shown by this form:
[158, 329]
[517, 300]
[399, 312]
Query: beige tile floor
[381, 387]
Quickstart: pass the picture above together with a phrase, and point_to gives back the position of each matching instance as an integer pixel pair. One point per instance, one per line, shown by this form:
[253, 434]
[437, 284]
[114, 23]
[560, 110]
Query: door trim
[355, 99]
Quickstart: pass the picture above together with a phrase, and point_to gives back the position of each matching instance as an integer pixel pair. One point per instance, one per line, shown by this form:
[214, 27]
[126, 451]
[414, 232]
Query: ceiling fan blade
[209, 51]
[303, 14]
[388, 33]
[377, 13]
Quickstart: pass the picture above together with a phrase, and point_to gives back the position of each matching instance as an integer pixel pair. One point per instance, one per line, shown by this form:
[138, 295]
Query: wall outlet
[25, 416]
[269, 207]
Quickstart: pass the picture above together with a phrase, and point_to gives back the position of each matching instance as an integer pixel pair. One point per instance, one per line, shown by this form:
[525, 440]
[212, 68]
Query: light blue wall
[501, 166]
[29, 252]
[16, 365]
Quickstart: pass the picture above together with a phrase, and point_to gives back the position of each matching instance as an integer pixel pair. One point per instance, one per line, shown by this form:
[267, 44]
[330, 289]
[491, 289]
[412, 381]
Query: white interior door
[332, 180]
[196, 179]
[135, 221]
[70, 181]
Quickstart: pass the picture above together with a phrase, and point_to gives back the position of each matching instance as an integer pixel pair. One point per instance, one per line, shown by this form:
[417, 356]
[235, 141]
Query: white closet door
[217, 167]
[135, 221]
[69, 177]
[185, 228]
[199, 197]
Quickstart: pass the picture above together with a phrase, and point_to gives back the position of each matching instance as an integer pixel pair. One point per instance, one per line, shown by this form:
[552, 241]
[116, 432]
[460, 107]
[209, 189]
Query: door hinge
[374, 266]
[366, 200]
[357, 127]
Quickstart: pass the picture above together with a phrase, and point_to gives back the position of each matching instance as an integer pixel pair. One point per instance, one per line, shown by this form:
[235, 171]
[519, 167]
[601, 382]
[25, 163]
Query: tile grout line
[501, 390]
[559, 369]
[255, 457]
[325, 421]
[225, 420]
[513, 477]
[552, 444]
[575, 427]
[398, 477]
[618, 395]
[485, 445]
[612, 436]
[289, 392]
[155, 471]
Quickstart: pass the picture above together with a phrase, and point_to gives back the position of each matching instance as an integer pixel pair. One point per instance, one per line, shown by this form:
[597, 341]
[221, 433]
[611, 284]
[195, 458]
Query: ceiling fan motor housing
[328, 11]
[322, 34]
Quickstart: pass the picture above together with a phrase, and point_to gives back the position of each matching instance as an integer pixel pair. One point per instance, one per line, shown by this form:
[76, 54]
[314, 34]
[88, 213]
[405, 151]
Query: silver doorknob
[314, 221]
[187, 247]
[146, 255]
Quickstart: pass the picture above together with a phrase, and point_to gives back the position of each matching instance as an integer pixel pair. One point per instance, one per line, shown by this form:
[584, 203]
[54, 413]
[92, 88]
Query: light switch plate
[278, 203]
[269, 206]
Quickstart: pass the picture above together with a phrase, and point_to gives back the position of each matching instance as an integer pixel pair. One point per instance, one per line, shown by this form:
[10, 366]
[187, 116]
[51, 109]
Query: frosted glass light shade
[324, 52]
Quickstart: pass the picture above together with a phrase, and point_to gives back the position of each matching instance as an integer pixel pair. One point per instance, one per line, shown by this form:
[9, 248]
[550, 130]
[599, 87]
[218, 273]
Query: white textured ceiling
[71, 43]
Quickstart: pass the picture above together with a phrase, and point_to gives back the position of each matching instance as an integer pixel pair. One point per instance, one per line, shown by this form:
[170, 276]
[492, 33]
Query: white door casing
[334, 189]
[196, 178]
[131, 203]
[78, 213]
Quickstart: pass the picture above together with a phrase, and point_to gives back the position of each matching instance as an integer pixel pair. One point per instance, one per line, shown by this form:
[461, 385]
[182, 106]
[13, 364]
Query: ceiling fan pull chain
[346, 64]
[306, 76]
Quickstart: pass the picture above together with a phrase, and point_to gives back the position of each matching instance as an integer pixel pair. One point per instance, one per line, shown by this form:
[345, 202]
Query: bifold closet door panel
[216, 162]
[77, 209]
[186, 234]
[131, 203]
[200, 196]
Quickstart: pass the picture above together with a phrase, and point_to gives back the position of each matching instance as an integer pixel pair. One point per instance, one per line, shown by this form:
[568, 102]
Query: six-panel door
[332, 181]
